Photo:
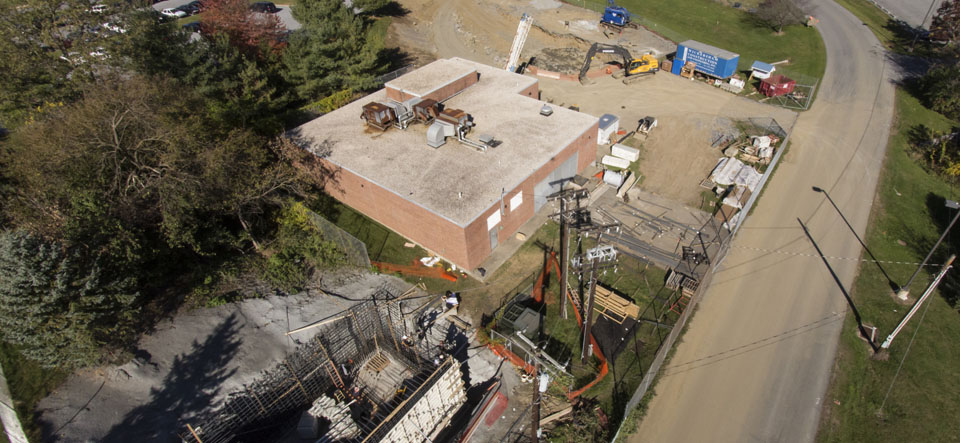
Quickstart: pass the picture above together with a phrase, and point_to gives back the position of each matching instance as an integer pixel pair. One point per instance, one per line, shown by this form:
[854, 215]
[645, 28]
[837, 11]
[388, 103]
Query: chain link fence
[394, 74]
[354, 249]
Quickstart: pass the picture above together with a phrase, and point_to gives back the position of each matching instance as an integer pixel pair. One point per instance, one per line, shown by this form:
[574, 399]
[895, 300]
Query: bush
[299, 248]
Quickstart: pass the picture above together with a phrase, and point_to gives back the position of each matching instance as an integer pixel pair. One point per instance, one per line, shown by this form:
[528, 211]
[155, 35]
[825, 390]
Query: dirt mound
[564, 60]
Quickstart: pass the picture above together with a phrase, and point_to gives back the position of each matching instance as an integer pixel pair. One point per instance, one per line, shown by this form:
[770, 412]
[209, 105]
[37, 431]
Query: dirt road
[756, 360]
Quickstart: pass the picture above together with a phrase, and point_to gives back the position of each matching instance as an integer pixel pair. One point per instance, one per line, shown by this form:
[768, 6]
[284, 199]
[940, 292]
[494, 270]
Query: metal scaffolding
[329, 365]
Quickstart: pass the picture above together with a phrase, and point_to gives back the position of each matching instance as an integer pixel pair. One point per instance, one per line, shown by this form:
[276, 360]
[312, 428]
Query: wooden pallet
[614, 307]
[378, 363]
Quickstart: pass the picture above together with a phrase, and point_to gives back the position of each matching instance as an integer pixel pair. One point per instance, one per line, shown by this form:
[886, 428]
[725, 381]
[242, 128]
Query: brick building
[463, 198]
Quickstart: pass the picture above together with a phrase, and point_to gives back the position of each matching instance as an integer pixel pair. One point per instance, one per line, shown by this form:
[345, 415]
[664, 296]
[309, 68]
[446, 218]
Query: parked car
[197, 6]
[172, 12]
[267, 7]
[192, 26]
[189, 9]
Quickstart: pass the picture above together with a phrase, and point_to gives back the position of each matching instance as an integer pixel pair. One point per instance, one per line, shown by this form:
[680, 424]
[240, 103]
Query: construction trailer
[710, 60]
[777, 85]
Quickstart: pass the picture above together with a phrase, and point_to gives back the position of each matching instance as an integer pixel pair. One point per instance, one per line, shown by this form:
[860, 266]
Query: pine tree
[330, 52]
[56, 305]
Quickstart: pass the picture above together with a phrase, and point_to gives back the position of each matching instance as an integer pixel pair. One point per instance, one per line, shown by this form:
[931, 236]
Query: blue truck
[710, 60]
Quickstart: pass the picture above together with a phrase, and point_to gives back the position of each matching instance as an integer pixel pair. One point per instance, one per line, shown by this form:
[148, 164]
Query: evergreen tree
[330, 52]
[56, 305]
[241, 90]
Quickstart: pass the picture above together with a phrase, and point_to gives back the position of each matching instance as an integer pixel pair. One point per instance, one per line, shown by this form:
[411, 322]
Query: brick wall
[441, 94]
[477, 235]
[406, 218]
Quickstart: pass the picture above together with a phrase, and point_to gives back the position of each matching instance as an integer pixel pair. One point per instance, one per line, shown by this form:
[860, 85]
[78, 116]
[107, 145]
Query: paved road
[911, 11]
[756, 359]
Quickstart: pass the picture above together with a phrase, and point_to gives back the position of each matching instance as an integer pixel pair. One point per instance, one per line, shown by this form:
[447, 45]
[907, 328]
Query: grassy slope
[923, 401]
[733, 29]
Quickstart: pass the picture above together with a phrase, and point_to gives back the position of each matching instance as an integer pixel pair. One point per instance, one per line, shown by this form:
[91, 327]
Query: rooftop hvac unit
[546, 111]
[438, 132]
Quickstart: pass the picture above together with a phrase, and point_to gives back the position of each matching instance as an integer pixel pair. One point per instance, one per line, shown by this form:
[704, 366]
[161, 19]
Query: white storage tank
[609, 125]
[625, 152]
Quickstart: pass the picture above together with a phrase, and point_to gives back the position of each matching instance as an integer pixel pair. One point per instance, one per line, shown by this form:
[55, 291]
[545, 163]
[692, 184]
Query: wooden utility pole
[535, 406]
[564, 247]
[588, 313]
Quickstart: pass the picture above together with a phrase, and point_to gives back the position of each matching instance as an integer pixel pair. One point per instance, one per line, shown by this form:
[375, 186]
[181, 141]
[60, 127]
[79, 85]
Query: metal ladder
[525, 22]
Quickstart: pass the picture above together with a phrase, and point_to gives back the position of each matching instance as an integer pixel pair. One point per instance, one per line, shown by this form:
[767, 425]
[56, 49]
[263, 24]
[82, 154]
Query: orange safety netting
[538, 295]
[416, 270]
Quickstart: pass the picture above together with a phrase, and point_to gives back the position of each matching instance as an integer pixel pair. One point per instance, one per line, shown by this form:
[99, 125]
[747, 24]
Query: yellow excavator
[634, 69]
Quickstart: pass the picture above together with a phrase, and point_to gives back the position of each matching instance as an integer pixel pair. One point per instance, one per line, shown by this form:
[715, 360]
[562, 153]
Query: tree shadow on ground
[391, 9]
[194, 381]
[941, 216]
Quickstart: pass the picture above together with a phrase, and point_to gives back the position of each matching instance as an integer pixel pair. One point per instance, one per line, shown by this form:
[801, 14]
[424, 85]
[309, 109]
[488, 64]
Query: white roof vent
[546, 111]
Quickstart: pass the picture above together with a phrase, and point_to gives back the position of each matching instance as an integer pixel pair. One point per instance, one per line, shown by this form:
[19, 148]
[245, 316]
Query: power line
[803, 254]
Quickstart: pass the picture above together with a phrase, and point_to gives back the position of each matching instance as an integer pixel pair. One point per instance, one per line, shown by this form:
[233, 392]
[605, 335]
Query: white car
[114, 28]
[172, 12]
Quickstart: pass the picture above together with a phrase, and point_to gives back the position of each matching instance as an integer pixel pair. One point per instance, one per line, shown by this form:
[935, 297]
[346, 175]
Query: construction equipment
[522, 30]
[617, 17]
[633, 68]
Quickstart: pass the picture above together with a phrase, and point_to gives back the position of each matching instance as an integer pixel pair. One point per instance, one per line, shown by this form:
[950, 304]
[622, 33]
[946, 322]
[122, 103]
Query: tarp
[730, 171]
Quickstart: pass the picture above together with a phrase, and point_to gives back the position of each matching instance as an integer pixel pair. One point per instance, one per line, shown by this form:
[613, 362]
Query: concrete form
[455, 201]
[431, 408]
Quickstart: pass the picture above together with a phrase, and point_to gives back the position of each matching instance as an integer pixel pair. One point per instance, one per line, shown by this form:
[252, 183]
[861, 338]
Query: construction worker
[452, 300]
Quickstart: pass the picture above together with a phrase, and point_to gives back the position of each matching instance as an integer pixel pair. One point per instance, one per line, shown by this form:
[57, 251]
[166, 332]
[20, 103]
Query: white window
[516, 201]
[493, 220]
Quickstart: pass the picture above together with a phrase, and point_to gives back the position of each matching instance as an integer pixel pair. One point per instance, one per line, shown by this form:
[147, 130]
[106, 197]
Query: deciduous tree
[780, 13]
[247, 30]
[946, 23]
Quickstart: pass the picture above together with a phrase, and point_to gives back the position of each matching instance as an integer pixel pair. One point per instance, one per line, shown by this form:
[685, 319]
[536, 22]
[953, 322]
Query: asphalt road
[755, 362]
[911, 11]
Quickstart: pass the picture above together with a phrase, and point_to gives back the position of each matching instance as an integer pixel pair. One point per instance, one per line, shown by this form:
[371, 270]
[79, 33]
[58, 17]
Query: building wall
[431, 231]
[477, 235]
[442, 93]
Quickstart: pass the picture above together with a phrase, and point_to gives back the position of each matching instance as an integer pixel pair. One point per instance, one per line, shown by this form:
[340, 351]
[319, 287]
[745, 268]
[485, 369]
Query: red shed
[777, 85]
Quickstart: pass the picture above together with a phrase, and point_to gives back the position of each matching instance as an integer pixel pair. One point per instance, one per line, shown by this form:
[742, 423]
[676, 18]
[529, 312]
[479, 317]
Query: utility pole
[564, 251]
[588, 313]
[567, 217]
[916, 306]
[535, 406]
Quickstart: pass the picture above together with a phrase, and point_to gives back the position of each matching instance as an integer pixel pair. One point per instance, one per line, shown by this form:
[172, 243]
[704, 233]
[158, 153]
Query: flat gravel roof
[402, 162]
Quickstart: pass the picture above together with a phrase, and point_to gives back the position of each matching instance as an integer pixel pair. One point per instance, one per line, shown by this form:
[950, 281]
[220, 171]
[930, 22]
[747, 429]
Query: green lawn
[732, 29]
[922, 405]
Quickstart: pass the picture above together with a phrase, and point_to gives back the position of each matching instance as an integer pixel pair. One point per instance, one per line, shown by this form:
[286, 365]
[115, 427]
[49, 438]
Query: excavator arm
[604, 49]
